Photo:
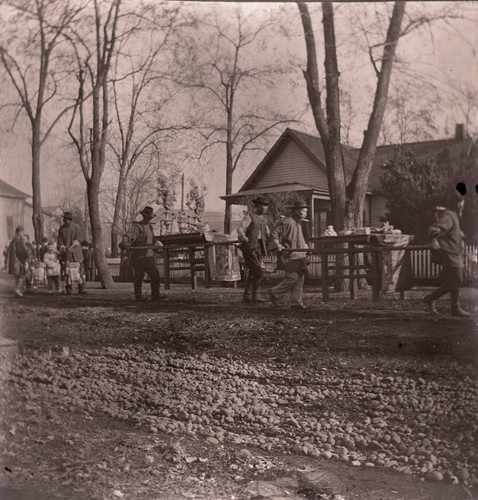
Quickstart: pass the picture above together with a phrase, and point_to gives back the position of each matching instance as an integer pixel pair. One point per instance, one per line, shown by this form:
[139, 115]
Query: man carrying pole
[254, 232]
[139, 236]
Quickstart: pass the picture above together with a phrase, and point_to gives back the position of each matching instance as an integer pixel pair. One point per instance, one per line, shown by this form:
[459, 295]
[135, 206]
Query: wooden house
[295, 166]
[16, 210]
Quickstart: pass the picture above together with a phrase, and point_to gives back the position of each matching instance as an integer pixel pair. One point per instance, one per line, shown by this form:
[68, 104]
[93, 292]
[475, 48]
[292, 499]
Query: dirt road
[200, 396]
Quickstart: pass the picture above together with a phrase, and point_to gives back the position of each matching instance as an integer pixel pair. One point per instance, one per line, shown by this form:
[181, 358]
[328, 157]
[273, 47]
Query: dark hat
[260, 200]
[68, 215]
[147, 212]
[300, 203]
[19, 229]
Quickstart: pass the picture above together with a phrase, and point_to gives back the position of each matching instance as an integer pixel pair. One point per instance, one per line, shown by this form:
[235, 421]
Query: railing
[422, 267]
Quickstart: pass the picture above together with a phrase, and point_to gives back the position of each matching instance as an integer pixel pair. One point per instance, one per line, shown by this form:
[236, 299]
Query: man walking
[140, 234]
[254, 232]
[448, 242]
[291, 233]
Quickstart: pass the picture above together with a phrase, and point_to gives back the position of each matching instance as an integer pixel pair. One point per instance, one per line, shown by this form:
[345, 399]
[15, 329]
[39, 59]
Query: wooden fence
[422, 267]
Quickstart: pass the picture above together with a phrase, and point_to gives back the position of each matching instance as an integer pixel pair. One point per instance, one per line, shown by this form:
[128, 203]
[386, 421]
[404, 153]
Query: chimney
[459, 132]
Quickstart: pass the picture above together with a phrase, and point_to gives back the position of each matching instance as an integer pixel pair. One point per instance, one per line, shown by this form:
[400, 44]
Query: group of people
[288, 233]
[289, 237]
[64, 262]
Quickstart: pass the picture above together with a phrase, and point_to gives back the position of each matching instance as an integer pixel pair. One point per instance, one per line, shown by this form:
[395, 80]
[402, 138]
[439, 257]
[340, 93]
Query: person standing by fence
[447, 250]
[253, 233]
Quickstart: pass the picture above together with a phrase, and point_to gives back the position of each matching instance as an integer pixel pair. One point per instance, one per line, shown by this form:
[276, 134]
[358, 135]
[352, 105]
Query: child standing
[52, 268]
[75, 269]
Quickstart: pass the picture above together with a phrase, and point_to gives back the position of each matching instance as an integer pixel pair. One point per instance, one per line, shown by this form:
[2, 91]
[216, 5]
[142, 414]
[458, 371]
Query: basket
[73, 272]
[38, 275]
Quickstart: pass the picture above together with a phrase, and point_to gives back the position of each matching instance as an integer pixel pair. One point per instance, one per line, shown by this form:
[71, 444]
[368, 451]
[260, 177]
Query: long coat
[17, 256]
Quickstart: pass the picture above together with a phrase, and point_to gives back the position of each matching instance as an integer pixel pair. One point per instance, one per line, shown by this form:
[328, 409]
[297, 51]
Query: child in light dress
[53, 269]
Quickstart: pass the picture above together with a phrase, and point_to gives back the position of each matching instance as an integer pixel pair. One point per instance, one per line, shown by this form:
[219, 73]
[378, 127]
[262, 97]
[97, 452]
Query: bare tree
[28, 63]
[94, 59]
[347, 201]
[141, 95]
[235, 119]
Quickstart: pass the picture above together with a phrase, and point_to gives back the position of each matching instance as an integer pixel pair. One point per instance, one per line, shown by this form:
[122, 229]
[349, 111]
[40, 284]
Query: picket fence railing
[422, 267]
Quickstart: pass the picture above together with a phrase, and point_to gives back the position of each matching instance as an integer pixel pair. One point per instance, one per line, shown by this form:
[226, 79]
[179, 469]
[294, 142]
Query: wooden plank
[325, 275]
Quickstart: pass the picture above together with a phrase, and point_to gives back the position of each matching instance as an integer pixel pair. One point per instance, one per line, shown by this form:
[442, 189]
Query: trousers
[141, 266]
[293, 282]
[451, 279]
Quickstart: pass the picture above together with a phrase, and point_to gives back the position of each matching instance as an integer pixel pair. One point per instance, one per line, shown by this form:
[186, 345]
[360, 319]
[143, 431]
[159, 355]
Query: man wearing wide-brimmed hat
[291, 233]
[254, 232]
[140, 234]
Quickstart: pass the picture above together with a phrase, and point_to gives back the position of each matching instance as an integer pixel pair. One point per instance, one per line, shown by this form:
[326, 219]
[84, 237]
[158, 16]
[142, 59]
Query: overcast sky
[444, 55]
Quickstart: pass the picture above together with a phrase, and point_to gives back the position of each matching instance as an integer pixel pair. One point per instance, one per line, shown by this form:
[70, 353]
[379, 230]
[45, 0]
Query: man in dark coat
[17, 261]
[448, 241]
[254, 233]
[140, 234]
[67, 234]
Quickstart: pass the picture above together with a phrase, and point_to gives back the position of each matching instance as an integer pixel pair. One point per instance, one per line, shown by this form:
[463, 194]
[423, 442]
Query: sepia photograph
[240, 250]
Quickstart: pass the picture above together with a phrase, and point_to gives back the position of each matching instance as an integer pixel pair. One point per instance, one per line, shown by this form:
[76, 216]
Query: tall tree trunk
[359, 184]
[86, 217]
[229, 172]
[37, 211]
[228, 211]
[97, 235]
[333, 153]
[119, 204]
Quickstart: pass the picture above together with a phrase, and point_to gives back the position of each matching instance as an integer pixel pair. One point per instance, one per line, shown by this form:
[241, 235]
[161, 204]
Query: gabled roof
[279, 188]
[8, 191]
[311, 145]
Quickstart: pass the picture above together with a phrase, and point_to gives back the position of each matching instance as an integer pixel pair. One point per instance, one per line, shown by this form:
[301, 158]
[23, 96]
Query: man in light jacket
[292, 233]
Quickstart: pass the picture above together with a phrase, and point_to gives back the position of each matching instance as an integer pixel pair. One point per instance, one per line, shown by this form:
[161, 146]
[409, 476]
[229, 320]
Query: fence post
[207, 267]
[166, 267]
[194, 281]
[375, 273]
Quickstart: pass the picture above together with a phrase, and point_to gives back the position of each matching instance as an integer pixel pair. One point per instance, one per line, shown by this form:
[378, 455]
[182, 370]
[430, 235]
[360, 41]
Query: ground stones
[360, 418]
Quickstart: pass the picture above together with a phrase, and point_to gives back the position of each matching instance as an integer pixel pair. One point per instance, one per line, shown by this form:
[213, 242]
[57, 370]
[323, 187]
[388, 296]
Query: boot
[456, 310]
[430, 303]
[81, 289]
[158, 296]
[256, 292]
[246, 296]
